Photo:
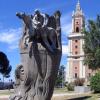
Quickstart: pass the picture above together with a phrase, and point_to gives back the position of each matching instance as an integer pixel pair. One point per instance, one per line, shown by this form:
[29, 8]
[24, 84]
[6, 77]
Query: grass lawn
[62, 90]
[94, 97]
[78, 97]
[5, 92]
[75, 97]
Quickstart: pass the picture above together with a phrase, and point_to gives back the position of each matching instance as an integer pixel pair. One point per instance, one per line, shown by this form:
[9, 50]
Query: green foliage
[58, 81]
[5, 67]
[70, 86]
[60, 77]
[92, 44]
[95, 83]
[79, 82]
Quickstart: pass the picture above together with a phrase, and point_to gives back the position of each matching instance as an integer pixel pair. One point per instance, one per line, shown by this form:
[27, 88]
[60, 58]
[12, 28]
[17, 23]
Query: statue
[40, 50]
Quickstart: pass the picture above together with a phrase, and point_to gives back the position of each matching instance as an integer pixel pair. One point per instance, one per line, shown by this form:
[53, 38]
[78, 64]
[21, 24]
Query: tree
[60, 77]
[5, 67]
[95, 83]
[92, 44]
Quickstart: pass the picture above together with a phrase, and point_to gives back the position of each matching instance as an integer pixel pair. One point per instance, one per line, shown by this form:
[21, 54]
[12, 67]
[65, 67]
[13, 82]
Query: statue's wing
[51, 22]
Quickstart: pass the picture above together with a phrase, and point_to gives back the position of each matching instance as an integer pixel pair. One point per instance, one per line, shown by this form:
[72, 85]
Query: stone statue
[40, 50]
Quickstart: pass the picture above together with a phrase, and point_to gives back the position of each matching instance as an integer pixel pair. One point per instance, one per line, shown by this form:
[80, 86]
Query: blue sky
[11, 26]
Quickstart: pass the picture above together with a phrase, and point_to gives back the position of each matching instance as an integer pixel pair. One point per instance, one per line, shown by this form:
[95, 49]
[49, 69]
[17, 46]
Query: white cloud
[64, 49]
[13, 46]
[10, 37]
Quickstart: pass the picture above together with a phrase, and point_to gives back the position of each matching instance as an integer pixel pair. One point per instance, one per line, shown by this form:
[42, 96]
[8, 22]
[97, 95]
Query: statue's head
[37, 12]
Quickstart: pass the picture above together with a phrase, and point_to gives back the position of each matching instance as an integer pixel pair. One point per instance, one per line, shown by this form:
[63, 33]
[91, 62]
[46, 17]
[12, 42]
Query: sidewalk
[54, 95]
[4, 96]
[65, 94]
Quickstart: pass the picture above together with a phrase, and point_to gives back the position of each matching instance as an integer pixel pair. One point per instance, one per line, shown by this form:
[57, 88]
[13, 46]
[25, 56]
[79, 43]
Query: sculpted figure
[40, 50]
[19, 77]
[39, 19]
[38, 30]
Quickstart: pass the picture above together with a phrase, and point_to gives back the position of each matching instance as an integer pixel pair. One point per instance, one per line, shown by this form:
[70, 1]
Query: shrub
[65, 84]
[70, 86]
[95, 83]
[79, 82]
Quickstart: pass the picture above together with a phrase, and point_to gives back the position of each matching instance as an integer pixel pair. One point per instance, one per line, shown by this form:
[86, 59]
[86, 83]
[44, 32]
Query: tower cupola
[78, 20]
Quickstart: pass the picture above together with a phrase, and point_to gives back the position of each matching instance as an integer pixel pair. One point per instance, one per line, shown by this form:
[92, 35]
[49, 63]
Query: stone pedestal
[82, 89]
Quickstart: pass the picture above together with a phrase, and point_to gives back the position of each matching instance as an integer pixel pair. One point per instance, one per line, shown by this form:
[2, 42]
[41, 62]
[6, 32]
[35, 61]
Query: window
[89, 74]
[77, 29]
[77, 23]
[76, 41]
[75, 67]
[76, 52]
[75, 75]
[76, 46]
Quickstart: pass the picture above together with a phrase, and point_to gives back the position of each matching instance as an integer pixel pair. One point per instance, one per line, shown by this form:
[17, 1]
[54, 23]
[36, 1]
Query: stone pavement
[65, 94]
[5, 97]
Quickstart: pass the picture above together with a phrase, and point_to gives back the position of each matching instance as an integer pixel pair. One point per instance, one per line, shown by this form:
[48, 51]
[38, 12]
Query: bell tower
[75, 66]
[78, 19]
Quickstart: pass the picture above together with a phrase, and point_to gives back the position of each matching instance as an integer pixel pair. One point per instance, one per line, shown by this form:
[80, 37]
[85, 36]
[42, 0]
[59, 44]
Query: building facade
[75, 66]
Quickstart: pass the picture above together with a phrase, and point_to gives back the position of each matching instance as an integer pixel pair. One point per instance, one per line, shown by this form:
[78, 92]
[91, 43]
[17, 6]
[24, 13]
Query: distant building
[75, 67]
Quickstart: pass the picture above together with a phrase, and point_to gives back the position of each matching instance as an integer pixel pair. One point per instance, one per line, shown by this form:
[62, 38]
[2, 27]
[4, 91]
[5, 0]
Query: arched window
[76, 41]
[77, 23]
[76, 52]
[76, 46]
[77, 29]
[75, 67]
[76, 75]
